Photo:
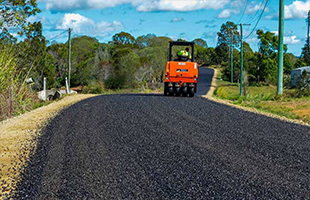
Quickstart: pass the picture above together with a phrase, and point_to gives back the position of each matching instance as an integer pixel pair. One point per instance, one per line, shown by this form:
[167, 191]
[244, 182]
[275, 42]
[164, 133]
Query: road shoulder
[18, 136]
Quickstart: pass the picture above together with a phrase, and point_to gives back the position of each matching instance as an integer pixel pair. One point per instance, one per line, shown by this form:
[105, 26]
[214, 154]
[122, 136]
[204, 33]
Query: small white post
[67, 86]
[44, 88]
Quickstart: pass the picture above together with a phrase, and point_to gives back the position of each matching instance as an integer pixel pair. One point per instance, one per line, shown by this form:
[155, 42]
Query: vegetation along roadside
[263, 98]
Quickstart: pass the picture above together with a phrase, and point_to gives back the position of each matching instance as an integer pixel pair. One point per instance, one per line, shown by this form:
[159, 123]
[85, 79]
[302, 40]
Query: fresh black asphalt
[148, 146]
[205, 76]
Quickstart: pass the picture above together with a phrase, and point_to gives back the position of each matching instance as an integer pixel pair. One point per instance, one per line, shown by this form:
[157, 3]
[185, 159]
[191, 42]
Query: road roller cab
[181, 74]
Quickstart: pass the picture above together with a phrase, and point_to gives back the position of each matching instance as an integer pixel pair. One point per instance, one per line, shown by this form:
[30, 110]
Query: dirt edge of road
[210, 97]
[18, 136]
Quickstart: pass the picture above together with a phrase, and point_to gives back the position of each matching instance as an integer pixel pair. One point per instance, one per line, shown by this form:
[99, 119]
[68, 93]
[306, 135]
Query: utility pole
[308, 39]
[232, 59]
[241, 68]
[69, 58]
[280, 50]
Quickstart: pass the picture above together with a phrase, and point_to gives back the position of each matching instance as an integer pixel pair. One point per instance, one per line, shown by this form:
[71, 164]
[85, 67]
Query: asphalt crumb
[147, 146]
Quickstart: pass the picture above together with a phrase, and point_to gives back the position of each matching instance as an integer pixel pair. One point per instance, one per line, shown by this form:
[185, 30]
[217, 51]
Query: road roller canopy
[184, 44]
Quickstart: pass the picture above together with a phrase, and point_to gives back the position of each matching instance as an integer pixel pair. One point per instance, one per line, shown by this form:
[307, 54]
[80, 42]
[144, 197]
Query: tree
[305, 54]
[266, 59]
[229, 35]
[154, 59]
[289, 62]
[145, 40]
[200, 42]
[84, 69]
[32, 56]
[161, 41]
[123, 38]
[300, 63]
[14, 14]
[222, 56]
[129, 65]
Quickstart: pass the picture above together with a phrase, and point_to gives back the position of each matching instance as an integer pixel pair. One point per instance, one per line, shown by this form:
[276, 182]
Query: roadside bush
[93, 88]
[115, 82]
[303, 85]
[15, 96]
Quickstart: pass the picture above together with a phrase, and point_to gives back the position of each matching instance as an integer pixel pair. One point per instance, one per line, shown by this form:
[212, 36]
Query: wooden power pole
[69, 58]
[280, 50]
[308, 33]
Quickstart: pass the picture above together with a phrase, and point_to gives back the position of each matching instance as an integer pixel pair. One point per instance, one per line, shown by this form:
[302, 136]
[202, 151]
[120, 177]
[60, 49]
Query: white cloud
[253, 40]
[104, 28]
[75, 21]
[84, 25]
[292, 40]
[176, 19]
[226, 13]
[254, 7]
[140, 5]
[180, 5]
[237, 6]
[297, 10]
[289, 38]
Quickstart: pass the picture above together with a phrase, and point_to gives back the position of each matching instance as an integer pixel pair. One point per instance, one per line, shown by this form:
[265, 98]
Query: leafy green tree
[161, 41]
[300, 63]
[83, 60]
[145, 40]
[200, 42]
[305, 54]
[129, 64]
[222, 56]
[289, 62]
[154, 59]
[14, 14]
[33, 57]
[303, 85]
[228, 34]
[267, 57]
[123, 38]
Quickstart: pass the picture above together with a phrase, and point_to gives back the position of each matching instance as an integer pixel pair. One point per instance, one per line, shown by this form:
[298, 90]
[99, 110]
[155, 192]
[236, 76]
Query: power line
[253, 18]
[246, 5]
[51, 40]
[260, 17]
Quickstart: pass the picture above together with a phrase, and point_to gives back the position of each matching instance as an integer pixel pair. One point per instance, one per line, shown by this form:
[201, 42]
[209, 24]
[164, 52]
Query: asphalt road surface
[148, 146]
[205, 76]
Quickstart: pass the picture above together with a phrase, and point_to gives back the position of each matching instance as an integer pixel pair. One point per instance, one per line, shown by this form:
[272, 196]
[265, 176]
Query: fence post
[44, 88]
[67, 86]
[11, 100]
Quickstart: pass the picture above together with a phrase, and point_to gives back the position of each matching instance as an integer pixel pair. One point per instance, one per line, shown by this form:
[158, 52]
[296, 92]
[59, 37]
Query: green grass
[265, 98]
[128, 91]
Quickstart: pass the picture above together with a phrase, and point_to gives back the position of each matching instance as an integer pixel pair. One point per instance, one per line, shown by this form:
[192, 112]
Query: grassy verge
[133, 91]
[18, 137]
[264, 98]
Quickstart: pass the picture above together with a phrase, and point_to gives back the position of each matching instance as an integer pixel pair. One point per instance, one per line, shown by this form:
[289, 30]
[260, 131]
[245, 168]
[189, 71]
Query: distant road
[204, 80]
[148, 146]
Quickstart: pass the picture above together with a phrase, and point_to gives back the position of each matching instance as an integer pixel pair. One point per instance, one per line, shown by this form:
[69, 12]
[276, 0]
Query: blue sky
[187, 19]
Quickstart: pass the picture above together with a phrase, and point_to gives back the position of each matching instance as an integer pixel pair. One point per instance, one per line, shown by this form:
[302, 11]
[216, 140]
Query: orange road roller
[181, 74]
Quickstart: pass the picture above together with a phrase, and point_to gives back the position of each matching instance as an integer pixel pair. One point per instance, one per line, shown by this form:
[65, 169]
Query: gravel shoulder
[17, 137]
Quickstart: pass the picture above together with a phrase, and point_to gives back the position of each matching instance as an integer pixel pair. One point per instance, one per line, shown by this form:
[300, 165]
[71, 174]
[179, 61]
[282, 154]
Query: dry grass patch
[17, 138]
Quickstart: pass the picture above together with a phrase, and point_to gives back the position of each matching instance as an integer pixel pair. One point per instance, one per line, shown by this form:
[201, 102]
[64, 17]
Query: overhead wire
[52, 39]
[254, 17]
[260, 17]
[242, 15]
